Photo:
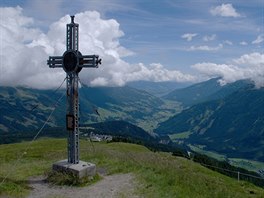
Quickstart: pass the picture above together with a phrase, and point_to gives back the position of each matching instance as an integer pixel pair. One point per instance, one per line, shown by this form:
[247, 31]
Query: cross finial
[72, 19]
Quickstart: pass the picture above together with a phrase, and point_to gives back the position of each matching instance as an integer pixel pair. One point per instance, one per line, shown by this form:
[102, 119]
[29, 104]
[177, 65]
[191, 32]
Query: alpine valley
[226, 119]
[25, 109]
[223, 119]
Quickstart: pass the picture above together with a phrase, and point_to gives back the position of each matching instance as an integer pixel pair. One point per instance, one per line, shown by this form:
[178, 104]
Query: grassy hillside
[231, 126]
[158, 174]
[23, 109]
[118, 128]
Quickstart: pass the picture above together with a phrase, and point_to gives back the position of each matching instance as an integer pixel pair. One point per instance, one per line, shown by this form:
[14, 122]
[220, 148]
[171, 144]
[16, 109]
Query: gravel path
[120, 185]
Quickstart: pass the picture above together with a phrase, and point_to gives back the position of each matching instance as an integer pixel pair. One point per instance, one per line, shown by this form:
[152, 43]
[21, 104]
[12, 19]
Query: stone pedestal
[81, 170]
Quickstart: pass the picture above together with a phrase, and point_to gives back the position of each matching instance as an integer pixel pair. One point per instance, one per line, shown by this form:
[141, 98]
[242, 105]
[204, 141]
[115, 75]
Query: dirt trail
[120, 185]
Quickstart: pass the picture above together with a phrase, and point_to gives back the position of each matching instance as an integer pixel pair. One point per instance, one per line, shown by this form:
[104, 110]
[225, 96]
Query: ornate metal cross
[72, 61]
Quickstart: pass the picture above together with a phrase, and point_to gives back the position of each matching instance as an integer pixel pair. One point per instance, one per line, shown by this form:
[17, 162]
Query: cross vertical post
[72, 61]
[72, 115]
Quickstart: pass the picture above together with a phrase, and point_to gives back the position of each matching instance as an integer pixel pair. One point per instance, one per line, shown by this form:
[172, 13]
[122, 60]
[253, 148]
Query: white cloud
[229, 73]
[20, 64]
[189, 36]
[205, 48]
[24, 51]
[209, 38]
[243, 43]
[127, 73]
[228, 42]
[224, 10]
[254, 60]
[248, 66]
[259, 39]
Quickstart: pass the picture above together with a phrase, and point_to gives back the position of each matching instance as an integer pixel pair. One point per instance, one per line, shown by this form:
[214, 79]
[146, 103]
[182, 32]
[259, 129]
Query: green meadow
[157, 174]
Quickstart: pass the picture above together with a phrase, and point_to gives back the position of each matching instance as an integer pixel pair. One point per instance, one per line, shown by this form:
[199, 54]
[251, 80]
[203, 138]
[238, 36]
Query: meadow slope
[157, 174]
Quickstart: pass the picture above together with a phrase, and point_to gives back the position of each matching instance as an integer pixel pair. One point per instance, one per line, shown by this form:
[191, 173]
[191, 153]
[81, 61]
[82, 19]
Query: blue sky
[178, 34]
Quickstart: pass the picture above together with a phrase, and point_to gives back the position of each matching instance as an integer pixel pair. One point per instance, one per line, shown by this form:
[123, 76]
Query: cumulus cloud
[189, 36]
[25, 50]
[254, 60]
[228, 73]
[19, 63]
[259, 39]
[248, 66]
[209, 37]
[224, 10]
[154, 72]
[205, 48]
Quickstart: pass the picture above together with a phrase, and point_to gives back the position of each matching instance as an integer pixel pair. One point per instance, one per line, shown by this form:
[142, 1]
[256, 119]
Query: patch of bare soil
[119, 185]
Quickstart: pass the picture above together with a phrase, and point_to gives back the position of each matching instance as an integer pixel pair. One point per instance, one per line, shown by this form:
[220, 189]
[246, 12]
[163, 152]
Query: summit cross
[72, 62]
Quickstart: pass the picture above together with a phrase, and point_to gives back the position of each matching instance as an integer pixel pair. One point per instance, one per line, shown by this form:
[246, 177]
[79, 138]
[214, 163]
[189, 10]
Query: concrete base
[83, 169]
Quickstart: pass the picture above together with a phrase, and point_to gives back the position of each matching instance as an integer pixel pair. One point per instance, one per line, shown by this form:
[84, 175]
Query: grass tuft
[70, 179]
[13, 188]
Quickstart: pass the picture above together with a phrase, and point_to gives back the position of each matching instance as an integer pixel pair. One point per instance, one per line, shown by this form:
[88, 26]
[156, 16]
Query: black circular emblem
[70, 61]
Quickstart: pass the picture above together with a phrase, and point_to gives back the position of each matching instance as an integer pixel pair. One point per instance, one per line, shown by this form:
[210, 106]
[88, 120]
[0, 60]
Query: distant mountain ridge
[205, 91]
[232, 125]
[24, 109]
[157, 88]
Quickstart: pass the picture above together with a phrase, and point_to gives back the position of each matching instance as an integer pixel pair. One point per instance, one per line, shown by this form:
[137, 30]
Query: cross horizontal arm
[55, 61]
[90, 61]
